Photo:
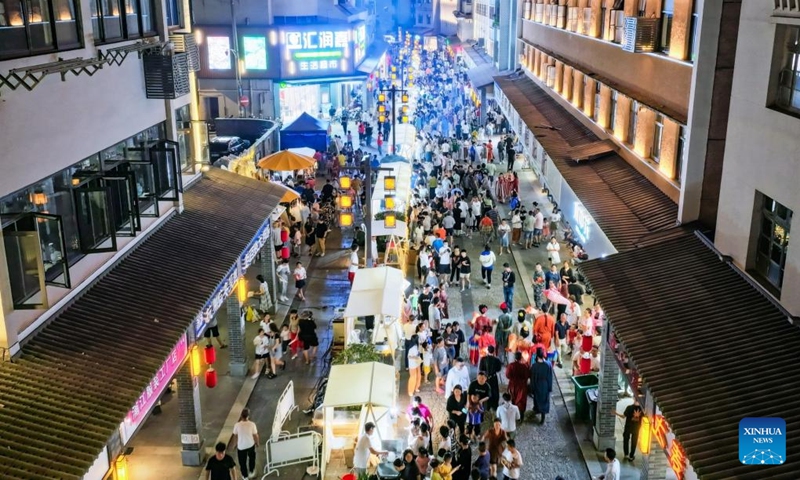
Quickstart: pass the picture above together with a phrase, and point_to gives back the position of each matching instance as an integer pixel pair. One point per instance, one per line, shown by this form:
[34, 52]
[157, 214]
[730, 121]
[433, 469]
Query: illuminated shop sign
[316, 53]
[219, 56]
[359, 43]
[254, 53]
[154, 389]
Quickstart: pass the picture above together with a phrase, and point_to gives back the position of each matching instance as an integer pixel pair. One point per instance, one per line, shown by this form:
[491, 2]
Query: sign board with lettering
[318, 51]
[676, 456]
[154, 389]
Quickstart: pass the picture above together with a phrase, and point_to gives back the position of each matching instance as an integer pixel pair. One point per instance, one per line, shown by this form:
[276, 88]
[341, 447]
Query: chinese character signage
[154, 389]
[676, 456]
[359, 43]
[254, 52]
[316, 52]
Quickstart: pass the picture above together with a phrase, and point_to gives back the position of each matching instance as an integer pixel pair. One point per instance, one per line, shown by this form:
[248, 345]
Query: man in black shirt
[425, 299]
[327, 191]
[492, 365]
[320, 234]
[480, 388]
[221, 466]
[630, 435]
[509, 279]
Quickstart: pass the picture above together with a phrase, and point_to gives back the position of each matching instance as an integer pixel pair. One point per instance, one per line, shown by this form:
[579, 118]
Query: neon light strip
[324, 54]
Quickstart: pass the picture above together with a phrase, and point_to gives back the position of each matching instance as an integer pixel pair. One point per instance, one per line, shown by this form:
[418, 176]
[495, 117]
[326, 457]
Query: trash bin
[583, 383]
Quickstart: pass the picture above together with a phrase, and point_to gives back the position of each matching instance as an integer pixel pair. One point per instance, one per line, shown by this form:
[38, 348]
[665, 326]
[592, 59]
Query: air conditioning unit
[185, 43]
[641, 34]
[166, 77]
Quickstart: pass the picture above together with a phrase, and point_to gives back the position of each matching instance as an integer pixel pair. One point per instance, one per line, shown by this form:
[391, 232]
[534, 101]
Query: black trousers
[629, 438]
[486, 274]
[247, 460]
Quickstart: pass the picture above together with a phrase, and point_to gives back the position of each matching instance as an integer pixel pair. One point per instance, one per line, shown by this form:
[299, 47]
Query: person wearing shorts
[308, 335]
[300, 277]
[212, 333]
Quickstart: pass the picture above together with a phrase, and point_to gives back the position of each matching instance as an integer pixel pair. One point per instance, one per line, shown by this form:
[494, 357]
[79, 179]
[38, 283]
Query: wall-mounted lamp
[241, 290]
[645, 435]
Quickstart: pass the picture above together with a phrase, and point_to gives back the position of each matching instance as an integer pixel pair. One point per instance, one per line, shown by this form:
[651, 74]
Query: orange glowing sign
[660, 430]
[677, 458]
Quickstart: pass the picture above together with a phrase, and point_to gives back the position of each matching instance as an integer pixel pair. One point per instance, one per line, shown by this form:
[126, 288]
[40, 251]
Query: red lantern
[586, 343]
[211, 378]
[284, 235]
[210, 354]
[285, 253]
[585, 365]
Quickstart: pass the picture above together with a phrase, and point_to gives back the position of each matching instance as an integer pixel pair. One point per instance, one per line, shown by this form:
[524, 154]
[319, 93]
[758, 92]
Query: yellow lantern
[405, 119]
[381, 97]
[345, 182]
[241, 290]
[197, 363]
[405, 97]
[410, 69]
[390, 202]
[645, 435]
[389, 183]
[405, 108]
[346, 201]
[38, 198]
[345, 219]
[394, 69]
[394, 76]
[381, 108]
[411, 77]
[121, 468]
[390, 220]
[381, 118]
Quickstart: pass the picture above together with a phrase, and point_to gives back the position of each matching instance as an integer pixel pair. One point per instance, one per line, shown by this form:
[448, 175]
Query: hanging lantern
[345, 219]
[210, 354]
[586, 343]
[211, 378]
[284, 235]
[197, 365]
[390, 220]
[285, 253]
[405, 118]
[381, 97]
[241, 290]
[346, 201]
[381, 108]
[121, 468]
[645, 435]
[586, 363]
[381, 118]
[389, 202]
[405, 98]
[38, 198]
[389, 183]
[345, 182]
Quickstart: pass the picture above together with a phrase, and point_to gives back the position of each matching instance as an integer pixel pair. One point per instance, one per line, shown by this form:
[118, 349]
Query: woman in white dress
[552, 250]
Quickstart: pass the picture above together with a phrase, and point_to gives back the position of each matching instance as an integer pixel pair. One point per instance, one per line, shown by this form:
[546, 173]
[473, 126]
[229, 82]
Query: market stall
[391, 198]
[406, 137]
[371, 389]
[377, 292]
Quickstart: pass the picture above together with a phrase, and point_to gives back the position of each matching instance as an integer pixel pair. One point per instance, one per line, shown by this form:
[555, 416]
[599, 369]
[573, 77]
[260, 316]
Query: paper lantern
[381, 97]
[284, 235]
[390, 220]
[586, 364]
[345, 219]
[241, 290]
[210, 354]
[346, 201]
[381, 108]
[211, 378]
[381, 118]
[405, 98]
[645, 435]
[345, 182]
[389, 202]
[586, 343]
[389, 183]
[121, 468]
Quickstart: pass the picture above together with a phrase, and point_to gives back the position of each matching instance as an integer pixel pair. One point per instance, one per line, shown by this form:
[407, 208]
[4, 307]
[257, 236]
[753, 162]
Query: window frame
[680, 152]
[30, 50]
[99, 35]
[612, 110]
[658, 137]
[633, 122]
[786, 63]
[768, 211]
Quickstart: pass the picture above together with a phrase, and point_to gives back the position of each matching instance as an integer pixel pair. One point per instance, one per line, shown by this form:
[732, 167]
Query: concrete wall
[650, 75]
[762, 151]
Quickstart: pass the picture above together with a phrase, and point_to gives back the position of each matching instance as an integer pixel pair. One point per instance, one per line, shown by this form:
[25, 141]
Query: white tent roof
[360, 384]
[379, 230]
[402, 174]
[406, 139]
[376, 291]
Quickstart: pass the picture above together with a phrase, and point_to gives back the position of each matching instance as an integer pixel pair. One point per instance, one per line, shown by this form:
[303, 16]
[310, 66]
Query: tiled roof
[625, 205]
[63, 398]
[710, 347]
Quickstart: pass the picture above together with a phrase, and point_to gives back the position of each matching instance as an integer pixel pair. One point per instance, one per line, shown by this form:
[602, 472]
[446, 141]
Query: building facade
[495, 28]
[762, 162]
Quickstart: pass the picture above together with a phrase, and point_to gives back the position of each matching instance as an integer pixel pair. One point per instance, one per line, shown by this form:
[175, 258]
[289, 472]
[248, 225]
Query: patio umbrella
[305, 151]
[285, 160]
[289, 195]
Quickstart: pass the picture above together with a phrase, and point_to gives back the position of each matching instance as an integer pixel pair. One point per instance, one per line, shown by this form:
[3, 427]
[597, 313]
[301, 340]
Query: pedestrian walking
[511, 461]
[457, 408]
[487, 260]
[518, 374]
[220, 466]
[491, 366]
[541, 384]
[630, 435]
[245, 435]
[300, 277]
[352, 268]
[308, 336]
[509, 279]
[282, 272]
[495, 439]
[414, 364]
[508, 413]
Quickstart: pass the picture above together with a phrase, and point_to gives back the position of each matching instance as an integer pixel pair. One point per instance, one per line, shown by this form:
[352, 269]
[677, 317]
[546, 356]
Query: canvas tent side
[305, 131]
[379, 292]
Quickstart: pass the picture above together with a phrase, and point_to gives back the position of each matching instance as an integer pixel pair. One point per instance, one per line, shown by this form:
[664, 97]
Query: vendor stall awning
[376, 291]
[360, 384]
[624, 204]
[711, 348]
[482, 75]
[373, 58]
[66, 395]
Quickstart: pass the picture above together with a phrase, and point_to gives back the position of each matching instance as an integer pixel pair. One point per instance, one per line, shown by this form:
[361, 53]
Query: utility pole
[235, 52]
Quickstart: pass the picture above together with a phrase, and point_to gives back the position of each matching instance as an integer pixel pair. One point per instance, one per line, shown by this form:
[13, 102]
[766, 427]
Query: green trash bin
[582, 383]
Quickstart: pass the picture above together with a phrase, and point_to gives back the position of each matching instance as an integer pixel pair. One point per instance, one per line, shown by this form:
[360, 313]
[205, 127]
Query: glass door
[164, 157]
[124, 204]
[54, 249]
[95, 225]
[145, 188]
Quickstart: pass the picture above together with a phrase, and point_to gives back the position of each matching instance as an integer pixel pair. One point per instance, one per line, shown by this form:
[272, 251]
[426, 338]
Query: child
[427, 357]
[297, 239]
[446, 469]
[474, 347]
[482, 462]
[474, 417]
[423, 461]
[433, 279]
[434, 469]
[546, 229]
[286, 337]
[445, 444]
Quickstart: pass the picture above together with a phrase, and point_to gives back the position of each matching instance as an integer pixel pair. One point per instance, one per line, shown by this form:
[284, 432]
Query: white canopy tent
[371, 386]
[406, 137]
[379, 292]
[402, 192]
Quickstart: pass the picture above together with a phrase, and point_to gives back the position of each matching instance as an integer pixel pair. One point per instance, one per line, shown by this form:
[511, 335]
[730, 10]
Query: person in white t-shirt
[612, 466]
[508, 413]
[511, 461]
[282, 272]
[365, 447]
[245, 435]
[353, 267]
[262, 344]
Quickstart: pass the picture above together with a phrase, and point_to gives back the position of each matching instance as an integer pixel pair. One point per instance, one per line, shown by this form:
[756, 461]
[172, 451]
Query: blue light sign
[316, 52]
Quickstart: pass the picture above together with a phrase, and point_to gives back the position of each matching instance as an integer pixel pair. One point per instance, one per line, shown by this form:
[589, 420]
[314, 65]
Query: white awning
[360, 384]
[402, 173]
[376, 291]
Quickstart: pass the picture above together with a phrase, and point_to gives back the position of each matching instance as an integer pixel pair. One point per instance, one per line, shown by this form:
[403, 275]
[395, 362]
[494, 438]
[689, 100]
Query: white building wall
[762, 151]
[448, 24]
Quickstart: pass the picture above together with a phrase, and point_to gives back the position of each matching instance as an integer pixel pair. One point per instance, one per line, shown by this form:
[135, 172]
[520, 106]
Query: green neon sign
[318, 54]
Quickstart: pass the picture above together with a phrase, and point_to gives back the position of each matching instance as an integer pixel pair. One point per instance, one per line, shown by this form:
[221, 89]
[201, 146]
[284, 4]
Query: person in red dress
[518, 374]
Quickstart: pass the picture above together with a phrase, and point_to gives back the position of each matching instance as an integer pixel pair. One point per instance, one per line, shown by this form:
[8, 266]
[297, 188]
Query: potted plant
[357, 353]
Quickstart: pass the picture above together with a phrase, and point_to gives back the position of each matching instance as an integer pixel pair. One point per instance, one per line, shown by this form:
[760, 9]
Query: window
[788, 70]
[174, 16]
[32, 27]
[679, 153]
[612, 117]
[693, 40]
[667, 10]
[772, 243]
[596, 109]
[632, 122]
[109, 25]
[658, 133]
